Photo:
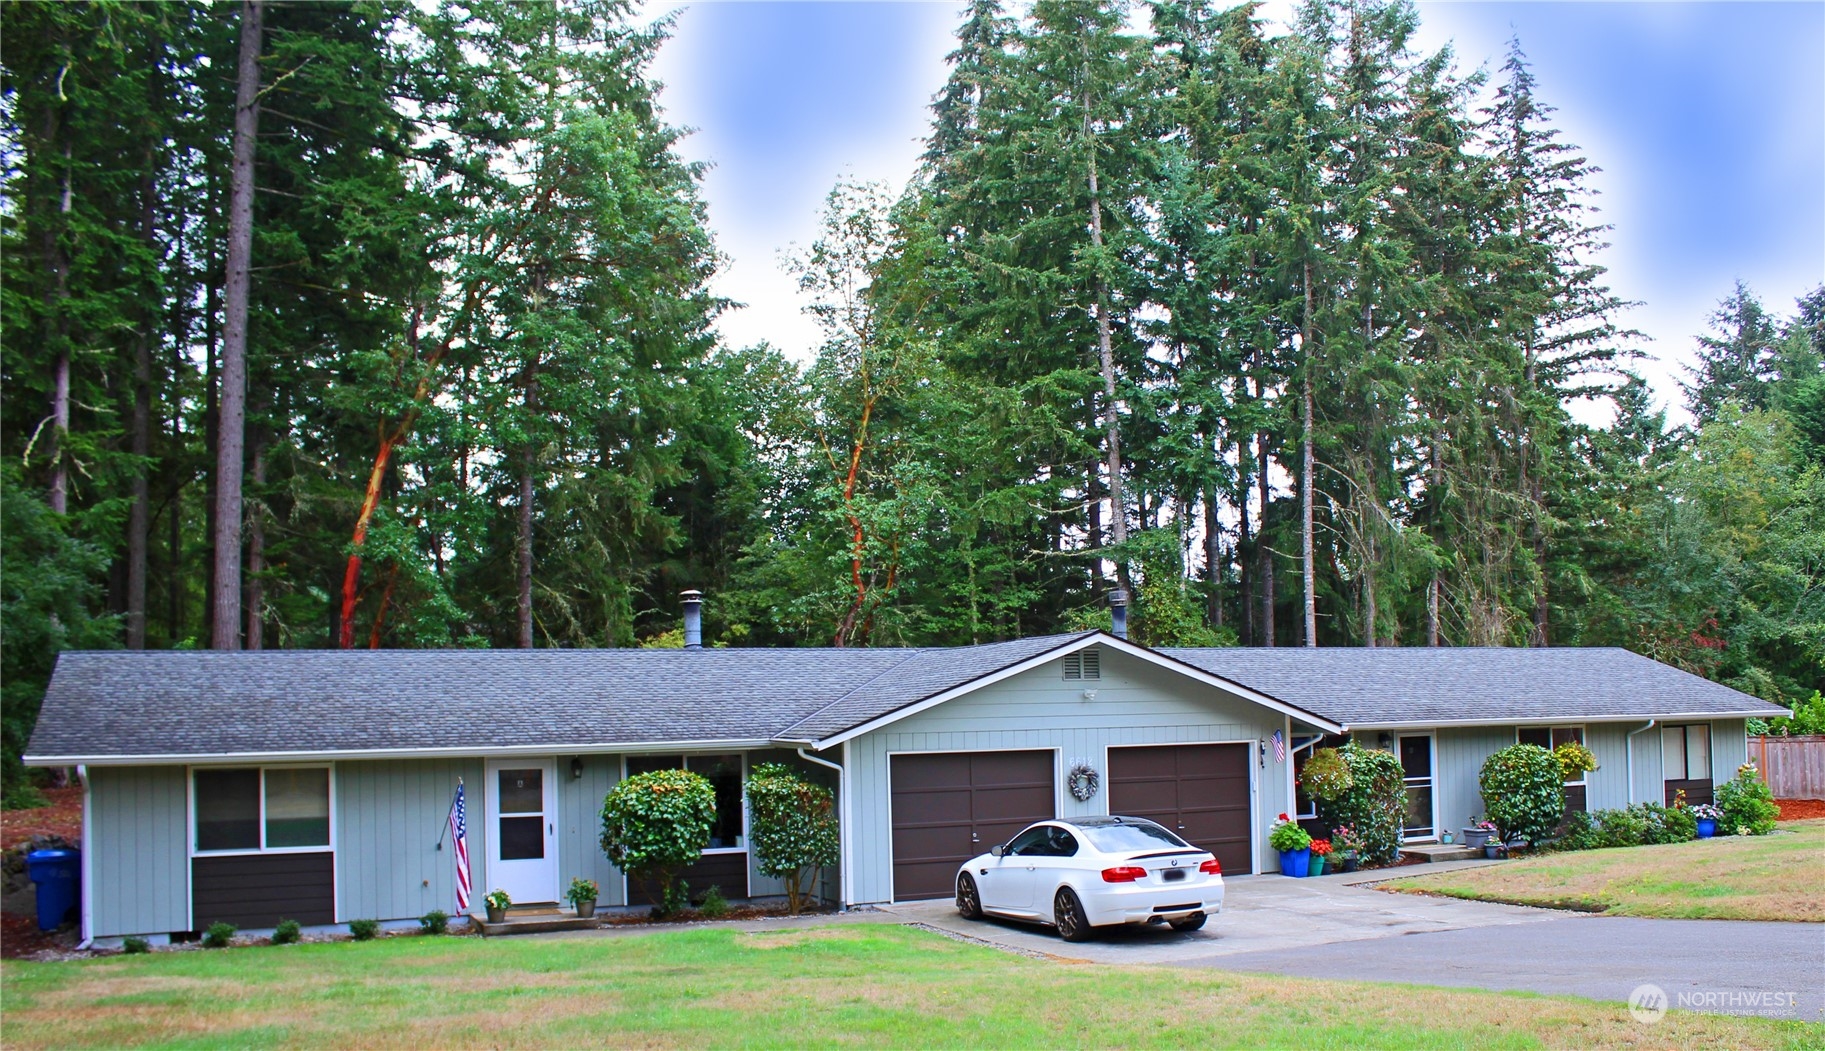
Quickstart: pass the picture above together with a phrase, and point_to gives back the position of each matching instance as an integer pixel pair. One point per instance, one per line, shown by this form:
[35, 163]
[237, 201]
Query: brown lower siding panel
[728, 871]
[259, 890]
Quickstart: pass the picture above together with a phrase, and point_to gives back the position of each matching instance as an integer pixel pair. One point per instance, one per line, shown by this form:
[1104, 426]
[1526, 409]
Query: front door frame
[1431, 782]
[498, 870]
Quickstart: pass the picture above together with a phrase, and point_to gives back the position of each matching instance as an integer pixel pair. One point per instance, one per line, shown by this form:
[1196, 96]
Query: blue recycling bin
[58, 874]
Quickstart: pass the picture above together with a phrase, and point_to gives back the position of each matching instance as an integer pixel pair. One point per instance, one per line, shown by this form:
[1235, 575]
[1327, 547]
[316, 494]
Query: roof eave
[1552, 720]
[356, 754]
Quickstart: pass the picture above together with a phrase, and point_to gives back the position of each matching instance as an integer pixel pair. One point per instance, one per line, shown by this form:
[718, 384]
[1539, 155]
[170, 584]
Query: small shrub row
[1638, 824]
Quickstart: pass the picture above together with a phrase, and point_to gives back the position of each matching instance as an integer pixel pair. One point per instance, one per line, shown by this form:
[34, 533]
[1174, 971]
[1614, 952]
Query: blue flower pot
[1296, 863]
[1707, 827]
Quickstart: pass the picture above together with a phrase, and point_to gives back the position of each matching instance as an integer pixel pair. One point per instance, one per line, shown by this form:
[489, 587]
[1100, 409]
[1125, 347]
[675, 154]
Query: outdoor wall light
[576, 768]
[1089, 695]
[1385, 741]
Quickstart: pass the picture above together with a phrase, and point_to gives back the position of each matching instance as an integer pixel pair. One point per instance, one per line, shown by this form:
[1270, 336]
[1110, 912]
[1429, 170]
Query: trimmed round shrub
[288, 932]
[219, 935]
[1375, 804]
[1523, 789]
[364, 930]
[1748, 804]
[135, 946]
[437, 921]
[656, 824]
[793, 826]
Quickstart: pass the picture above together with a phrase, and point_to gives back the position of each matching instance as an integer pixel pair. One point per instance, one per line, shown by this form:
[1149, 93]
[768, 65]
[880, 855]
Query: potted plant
[1321, 851]
[497, 902]
[1477, 833]
[1294, 845]
[1707, 816]
[1346, 842]
[582, 897]
[1492, 849]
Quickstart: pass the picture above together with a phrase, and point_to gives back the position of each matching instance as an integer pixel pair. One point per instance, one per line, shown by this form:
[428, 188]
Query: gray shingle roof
[1366, 687]
[190, 702]
[196, 703]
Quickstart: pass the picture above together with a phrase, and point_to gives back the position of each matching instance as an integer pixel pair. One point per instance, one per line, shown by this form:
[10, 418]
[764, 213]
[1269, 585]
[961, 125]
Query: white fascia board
[1556, 720]
[454, 752]
[1099, 638]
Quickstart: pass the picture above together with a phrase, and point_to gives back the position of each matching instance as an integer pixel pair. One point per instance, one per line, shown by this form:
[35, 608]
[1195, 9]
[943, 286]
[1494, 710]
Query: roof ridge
[895, 666]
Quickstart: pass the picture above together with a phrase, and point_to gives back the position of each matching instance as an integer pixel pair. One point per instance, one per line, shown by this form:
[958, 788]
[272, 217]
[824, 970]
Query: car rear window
[1141, 835]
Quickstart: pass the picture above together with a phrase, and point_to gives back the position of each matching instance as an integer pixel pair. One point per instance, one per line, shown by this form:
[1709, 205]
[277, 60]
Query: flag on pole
[1279, 749]
[459, 832]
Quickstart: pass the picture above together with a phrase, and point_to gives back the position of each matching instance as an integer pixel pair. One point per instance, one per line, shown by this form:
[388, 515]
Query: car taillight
[1124, 874]
[1213, 867]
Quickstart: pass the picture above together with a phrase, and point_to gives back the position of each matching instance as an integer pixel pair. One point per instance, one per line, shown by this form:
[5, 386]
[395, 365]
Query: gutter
[87, 910]
[842, 817]
[1552, 720]
[1628, 753]
[440, 752]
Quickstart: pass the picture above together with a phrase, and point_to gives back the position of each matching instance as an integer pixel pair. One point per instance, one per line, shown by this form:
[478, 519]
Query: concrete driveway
[1329, 928]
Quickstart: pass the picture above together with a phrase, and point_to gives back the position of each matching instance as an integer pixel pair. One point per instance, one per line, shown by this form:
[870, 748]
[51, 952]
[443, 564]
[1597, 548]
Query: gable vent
[1084, 664]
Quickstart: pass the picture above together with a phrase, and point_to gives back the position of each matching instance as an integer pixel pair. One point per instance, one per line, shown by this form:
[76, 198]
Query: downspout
[1628, 753]
[88, 885]
[842, 817]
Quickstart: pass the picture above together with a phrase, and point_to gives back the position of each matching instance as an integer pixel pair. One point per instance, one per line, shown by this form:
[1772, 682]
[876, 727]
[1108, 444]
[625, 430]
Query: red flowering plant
[1321, 847]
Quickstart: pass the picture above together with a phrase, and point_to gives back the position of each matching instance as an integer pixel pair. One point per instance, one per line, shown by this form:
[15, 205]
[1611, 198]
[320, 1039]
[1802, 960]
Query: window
[1084, 664]
[723, 772]
[262, 808]
[1030, 843]
[1131, 835]
[1549, 738]
[1686, 752]
[1045, 841]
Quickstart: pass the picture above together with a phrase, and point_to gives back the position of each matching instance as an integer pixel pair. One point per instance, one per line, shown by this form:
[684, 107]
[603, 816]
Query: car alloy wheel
[1189, 923]
[1068, 915]
[969, 903]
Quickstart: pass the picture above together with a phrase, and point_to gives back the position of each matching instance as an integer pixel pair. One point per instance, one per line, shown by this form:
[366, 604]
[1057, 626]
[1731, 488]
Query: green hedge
[1523, 788]
[654, 825]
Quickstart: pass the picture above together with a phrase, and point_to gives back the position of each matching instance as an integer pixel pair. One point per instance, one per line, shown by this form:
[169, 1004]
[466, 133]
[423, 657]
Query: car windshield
[1138, 835]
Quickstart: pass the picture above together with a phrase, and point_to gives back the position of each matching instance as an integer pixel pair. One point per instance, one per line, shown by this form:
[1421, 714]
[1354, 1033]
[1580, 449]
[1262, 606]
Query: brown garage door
[1198, 790]
[951, 807]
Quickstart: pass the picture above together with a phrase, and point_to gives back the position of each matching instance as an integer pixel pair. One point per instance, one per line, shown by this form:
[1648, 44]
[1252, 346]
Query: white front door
[522, 845]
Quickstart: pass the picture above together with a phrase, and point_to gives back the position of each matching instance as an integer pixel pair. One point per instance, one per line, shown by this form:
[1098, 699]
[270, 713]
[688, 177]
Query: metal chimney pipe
[1118, 613]
[693, 619]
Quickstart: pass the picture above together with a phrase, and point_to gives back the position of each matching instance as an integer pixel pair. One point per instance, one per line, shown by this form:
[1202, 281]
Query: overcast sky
[1708, 120]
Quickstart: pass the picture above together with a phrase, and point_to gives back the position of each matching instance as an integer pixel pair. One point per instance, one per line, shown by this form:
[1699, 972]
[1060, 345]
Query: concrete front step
[1442, 851]
[538, 920]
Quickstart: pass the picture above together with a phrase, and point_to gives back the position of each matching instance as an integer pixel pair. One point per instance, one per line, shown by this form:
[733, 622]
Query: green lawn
[870, 985]
[1773, 877]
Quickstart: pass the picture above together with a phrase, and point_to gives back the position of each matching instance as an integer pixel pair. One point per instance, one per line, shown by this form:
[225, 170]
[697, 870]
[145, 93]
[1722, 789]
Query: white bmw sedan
[1091, 872]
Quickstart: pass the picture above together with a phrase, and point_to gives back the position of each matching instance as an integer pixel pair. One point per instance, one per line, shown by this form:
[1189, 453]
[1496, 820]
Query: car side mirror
[998, 850]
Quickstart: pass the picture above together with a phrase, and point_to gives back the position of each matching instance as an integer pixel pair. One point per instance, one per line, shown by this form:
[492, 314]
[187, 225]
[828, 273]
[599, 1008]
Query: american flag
[459, 831]
[1279, 754]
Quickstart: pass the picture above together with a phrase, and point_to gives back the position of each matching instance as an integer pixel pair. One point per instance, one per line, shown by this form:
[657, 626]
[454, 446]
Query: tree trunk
[1246, 575]
[524, 604]
[226, 631]
[1368, 607]
[1213, 558]
[1264, 557]
[139, 513]
[1432, 610]
[256, 552]
[1305, 468]
[1118, 517]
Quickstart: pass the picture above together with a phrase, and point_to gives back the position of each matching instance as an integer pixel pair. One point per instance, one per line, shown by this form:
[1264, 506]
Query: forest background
[387, 324]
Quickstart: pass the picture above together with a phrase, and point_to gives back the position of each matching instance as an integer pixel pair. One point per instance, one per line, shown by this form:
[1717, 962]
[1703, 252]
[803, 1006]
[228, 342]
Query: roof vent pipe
[693, 619]
[1118, 613]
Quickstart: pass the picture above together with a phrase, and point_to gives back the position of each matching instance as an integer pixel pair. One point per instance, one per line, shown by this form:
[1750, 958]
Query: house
[315, 785]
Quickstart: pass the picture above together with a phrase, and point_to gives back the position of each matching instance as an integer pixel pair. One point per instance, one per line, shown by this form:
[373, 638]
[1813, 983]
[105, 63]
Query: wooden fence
[1794, 767]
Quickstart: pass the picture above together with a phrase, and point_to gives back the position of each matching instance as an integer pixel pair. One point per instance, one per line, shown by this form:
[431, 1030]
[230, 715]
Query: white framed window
[260, 809]
[1685, 752]
[727, 774]
[1551, 737]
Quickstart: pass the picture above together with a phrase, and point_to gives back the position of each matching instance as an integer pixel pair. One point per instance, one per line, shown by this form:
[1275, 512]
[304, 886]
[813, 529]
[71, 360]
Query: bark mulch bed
[1801, 809]
[62, 818]
[20, 938]
[736, 912]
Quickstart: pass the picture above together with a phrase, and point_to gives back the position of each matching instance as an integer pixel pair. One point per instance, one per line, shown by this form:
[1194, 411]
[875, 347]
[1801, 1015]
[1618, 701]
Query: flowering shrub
[1288, 836]
[655, 824]
[1375, 805]
[1346, 840]
[1321, 847]
[1747, 803]
[1326, 775]
[1707, 812]
[1523, 789]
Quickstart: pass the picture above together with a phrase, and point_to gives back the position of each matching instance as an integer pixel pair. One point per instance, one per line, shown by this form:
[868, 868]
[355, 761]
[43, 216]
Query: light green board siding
[138, 857]
[1458, 762]
[389, 815]
[1136, 703]
[1729, 748]
[580, 826]
[1607, 787]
